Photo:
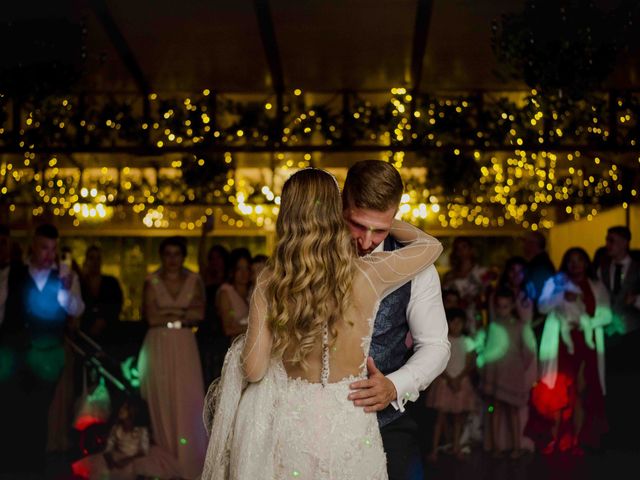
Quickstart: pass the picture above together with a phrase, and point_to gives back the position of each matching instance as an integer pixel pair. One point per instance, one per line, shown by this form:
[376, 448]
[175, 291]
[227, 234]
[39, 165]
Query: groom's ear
[345, 208]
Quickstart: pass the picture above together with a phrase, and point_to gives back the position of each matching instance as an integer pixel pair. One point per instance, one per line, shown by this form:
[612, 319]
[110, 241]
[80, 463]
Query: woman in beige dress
[169, 363]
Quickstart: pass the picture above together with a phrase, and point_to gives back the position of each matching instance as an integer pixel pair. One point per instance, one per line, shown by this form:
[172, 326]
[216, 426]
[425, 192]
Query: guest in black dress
[102, 296]
[212, 342]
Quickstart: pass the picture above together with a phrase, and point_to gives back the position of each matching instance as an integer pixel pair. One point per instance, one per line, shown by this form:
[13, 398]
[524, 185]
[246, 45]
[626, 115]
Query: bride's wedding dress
[285, 426]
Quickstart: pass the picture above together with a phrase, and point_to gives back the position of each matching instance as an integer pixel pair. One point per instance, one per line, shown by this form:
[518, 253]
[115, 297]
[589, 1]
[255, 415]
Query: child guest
[452, 394]
[129, 452]
[506, 377]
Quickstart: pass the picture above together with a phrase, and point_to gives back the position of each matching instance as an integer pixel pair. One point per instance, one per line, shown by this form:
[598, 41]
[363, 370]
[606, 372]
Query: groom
[397, 372]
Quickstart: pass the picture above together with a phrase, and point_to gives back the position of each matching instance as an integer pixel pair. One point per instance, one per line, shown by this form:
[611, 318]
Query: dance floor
[613, 464]
[617, 460]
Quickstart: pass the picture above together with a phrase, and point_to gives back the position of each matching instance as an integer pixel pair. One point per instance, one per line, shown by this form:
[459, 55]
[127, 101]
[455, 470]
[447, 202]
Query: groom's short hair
[372, 184]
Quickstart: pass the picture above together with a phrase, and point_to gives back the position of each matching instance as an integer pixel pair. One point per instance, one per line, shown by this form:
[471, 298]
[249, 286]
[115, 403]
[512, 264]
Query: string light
[520, 187]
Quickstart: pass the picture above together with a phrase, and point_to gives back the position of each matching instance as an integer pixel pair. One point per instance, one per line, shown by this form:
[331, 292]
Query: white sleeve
[428, 326]
[71, 300]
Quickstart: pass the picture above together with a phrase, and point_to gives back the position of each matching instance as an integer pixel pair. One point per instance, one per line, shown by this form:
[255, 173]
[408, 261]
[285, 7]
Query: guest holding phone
[48, 294]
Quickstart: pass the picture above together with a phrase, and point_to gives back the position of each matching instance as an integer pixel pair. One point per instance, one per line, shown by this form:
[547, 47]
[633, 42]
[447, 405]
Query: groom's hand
[375, 393]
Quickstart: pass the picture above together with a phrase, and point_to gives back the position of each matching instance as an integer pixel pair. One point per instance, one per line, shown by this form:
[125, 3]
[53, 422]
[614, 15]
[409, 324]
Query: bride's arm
[390, 270]
[256, 353]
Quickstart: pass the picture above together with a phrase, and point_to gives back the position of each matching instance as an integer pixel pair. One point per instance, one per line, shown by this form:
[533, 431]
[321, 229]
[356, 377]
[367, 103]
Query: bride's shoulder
[364, 261]
[265, 276]
[368, 262]
[363, 268]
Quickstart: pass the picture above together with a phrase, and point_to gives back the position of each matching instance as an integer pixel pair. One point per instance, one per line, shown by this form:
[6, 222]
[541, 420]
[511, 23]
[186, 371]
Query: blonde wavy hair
[312, 266]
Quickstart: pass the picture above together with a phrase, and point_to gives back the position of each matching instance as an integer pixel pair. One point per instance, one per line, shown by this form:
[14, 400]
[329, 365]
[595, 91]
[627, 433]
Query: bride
[280, 409]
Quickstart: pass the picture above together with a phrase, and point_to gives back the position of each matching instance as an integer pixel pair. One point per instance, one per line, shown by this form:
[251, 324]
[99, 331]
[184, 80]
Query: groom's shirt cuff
[405, 388]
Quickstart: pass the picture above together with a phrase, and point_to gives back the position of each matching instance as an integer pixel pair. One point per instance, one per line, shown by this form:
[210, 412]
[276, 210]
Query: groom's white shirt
[428, 326]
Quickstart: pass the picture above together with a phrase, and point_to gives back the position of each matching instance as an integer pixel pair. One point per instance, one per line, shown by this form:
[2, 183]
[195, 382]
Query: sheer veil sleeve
[256, 353]
[247, 428]
[388, 271]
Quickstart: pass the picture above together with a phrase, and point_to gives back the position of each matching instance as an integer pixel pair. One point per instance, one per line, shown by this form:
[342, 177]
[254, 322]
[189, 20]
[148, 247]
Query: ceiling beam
[101, 10]
[424, 9]
[270, 43]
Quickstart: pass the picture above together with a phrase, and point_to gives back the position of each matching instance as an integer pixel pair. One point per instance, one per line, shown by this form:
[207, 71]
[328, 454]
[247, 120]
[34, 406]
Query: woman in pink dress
[510, 366]
[169, 363]
[232, 298]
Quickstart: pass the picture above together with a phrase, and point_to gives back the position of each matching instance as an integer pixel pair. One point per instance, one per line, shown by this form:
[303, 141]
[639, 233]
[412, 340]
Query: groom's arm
[428, 326]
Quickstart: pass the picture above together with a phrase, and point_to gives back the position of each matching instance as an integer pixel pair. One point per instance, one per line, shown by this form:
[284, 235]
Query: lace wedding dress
[300, 424]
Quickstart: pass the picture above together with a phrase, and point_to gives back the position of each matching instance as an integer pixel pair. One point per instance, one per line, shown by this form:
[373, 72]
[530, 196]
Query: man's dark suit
[621, 357]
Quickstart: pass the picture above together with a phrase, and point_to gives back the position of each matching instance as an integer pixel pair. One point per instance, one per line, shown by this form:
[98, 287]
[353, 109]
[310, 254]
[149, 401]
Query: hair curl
[311, 270]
